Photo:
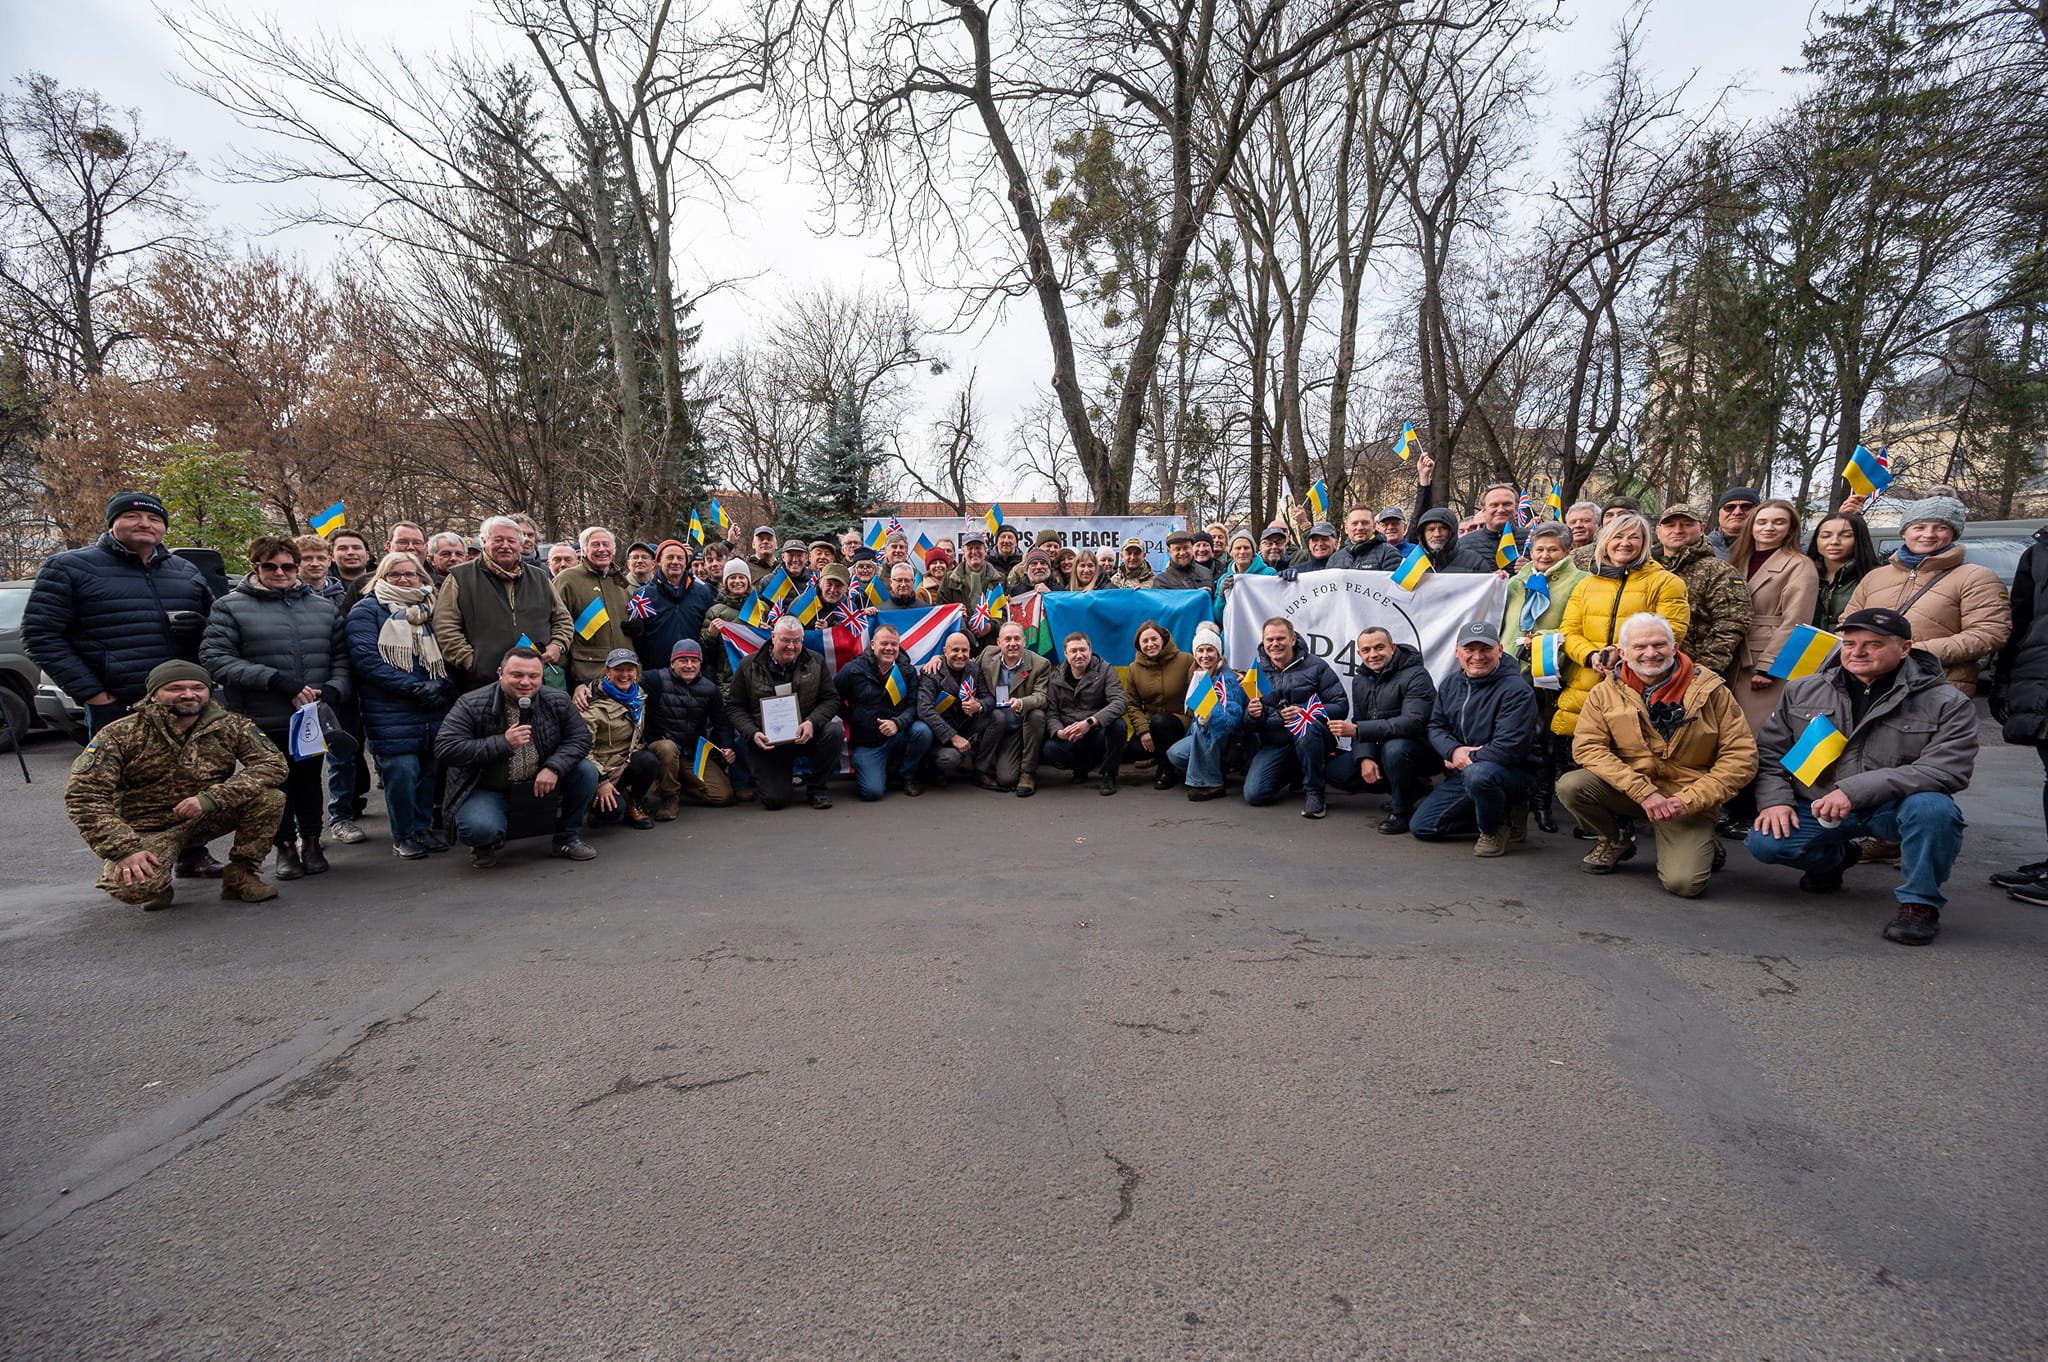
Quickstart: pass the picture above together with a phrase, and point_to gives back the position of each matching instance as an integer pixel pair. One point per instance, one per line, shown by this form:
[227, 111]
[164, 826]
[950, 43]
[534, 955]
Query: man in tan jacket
[1660, 739]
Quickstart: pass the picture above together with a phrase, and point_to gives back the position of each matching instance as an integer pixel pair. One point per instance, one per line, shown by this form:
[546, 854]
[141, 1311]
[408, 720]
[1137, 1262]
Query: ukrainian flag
[1868, 473]
[1546, 659]
[893, 687]
[1253, 687]
[720, 518]
[878, 536]
[1202, 696]
[998, 601]
[328, 521]
[702, 761]
[1804, 653]
[877, 597]
[525, 642]
[1556, 498]
[754, 610]
[1413, 568]
[806, 606]
[923, 549]
[1507, 551]
[696, 527]
[993, 518]
[1319, 501]
[1405, 446]
[1815, 751]
[776, 586]
[593, 618]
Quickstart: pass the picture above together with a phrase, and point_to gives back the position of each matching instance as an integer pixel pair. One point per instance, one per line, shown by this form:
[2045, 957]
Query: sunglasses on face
[277, 567]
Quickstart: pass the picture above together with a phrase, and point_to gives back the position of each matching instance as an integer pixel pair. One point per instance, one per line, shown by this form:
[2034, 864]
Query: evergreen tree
[835, 484]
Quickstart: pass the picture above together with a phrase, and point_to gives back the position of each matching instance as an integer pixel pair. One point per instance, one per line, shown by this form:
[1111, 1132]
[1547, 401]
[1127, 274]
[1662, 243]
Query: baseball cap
[1478, 631]
[619, 657]
[1322, 529]
[1879, 620]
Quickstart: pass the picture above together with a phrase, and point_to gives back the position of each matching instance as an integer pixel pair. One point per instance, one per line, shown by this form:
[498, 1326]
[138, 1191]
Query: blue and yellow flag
[997, 600]
[1815, 751]
[1414, 566]
[721, 519]
[525, 642]
[1556, 498]
[1868, 473]
[1507, 551]
[701, 762]
[1203, 697]
[1546, 656]
[696, 527]
[1253, 686]
[878, 536]
[755, 611]
[806, 606]
[922, 549]
[328, 521]
[1804, 653]
[877, 597]
[776, 586]
[893, 687]
[993, 518]
[1407, 444]
[1319, 501]
[593, 618]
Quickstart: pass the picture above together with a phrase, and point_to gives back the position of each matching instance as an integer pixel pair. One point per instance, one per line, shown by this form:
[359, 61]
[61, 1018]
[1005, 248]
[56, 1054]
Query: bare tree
[952, 458]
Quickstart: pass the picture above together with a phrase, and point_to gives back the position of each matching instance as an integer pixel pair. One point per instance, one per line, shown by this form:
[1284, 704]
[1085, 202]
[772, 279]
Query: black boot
[1108, 781]
[289, 866]
[1540, 808]
[312, 857]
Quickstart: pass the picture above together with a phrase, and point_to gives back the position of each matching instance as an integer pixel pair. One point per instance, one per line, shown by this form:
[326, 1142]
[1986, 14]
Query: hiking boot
[240, 883]
[345, 831]
[289, 866]
[1628, 848]
[1828, 881]
[636, 817]
[2033, 891]
[574, 849]
[1491, 844]
[1603, 858]
[484, 857]
[201, 867]
[2023, 875]
[163, 901]
[817, 796]
[1518, 823]
[315, 859]
[1916, 925]
[1394, 824]
[668, 809]
[1027, 785]
[1200, 794]
[408, 849]
[1877, 851]
[1313, 805]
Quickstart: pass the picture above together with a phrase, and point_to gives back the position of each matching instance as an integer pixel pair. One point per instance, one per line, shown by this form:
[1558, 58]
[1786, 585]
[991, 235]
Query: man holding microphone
[507, 736]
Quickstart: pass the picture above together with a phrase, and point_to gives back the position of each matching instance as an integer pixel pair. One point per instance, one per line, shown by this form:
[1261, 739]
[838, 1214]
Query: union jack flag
[967, 686]
[640, 608]
[1523, 510]
[980, 621]
[847, 613]
[1306, 715]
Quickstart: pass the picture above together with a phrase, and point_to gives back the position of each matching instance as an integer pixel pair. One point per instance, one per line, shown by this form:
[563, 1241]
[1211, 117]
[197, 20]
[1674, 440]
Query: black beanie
[124, 502]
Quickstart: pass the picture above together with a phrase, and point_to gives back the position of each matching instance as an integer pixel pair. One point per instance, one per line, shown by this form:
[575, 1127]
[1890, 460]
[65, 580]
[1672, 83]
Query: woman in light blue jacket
[1199, 756]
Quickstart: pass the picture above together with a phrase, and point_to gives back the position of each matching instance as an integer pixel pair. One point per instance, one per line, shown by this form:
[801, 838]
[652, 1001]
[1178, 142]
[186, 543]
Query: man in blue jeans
[1391, 699]
[878, 701]
[1485, 727]
[1909, 743]
[1289, 719]
[512, 735]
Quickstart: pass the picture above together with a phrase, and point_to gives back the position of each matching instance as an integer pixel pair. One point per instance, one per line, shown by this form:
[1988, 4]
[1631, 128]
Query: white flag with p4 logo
[307, 737]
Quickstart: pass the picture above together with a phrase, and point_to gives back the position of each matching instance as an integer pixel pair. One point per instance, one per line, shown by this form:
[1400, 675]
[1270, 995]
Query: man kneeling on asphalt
[950, 704]
[1391, 700]
[1084, 712]
[782, 668]
[1659, 738]
[510, 734]
[1907, 743]
[165, 777]
[1484, 728]
[1299, 694]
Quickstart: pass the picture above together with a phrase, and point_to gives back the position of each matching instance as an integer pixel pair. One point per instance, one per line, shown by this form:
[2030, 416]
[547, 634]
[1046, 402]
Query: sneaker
[1828, 881]
[1603, 858]
[202, 867]
[431, 840]
[1312, 805]
[1916, 925]
[408, 849]
[2023, 875]
[2033, 891]
[575, 849]
[1491, 844]
[1393, 825]
[1027, 785]
[483, 858]
[345, 831]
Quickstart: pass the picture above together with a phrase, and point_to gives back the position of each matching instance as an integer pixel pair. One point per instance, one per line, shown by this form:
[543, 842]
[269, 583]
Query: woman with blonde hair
[1625, 580]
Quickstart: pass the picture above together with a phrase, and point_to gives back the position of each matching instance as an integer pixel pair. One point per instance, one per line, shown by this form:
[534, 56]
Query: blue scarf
[1908, 559]
[632, 699]
[1535, 600]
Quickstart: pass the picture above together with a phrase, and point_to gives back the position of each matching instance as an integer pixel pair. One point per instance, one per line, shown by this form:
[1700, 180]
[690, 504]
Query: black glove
[283, 685]
[426, 692]
[1288, 574]
[2001, 704]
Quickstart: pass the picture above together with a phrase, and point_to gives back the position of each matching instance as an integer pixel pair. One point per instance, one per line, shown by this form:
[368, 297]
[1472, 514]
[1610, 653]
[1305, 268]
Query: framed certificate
[779, 718]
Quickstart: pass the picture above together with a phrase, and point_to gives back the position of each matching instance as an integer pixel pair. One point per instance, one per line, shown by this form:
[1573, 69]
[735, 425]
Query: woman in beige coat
[1958, 610]
[1783, 586]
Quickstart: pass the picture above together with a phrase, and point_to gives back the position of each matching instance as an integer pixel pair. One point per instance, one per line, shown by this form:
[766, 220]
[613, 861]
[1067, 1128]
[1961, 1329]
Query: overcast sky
[122, 49]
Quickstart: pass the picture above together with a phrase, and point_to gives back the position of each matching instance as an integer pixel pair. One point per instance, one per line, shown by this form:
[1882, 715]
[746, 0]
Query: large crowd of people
[503, 687]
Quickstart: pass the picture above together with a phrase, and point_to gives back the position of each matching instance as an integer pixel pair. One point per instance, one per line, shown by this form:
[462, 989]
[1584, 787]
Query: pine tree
[834, 485]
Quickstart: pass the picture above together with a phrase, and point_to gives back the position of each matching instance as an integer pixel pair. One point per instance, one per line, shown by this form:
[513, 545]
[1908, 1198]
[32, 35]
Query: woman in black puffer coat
[273, 644]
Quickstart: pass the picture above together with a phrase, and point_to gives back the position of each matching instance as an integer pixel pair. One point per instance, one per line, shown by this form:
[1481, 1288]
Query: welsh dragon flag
[1029, 611]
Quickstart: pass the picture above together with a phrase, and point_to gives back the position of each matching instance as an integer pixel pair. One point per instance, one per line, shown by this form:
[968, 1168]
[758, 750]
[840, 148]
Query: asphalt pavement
[969, 1076]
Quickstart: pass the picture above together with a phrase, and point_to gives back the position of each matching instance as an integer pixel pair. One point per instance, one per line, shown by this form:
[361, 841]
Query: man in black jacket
[510, 734]
[1364, 546]
[1391, 700]
[879, 699]
[1484, 728]
[1299, 694]
[684, 705]
[784, 667]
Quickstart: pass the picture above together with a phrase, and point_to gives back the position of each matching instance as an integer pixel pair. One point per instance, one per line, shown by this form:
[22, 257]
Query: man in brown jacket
[1660, 739]
[1014, 681]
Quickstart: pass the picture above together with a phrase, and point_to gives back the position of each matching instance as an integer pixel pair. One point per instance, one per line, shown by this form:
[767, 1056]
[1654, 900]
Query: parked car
[30, 701]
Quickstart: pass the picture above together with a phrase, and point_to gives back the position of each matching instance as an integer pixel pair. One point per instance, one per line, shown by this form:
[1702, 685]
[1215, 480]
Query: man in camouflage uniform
[165, 777]
[1717, 591]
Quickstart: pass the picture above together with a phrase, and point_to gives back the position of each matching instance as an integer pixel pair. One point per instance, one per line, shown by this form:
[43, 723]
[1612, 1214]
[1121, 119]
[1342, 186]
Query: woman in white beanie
[1199, 755]
[1958, 610]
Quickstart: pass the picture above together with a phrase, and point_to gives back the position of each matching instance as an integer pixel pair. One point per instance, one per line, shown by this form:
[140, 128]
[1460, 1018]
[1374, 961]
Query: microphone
[526, 709]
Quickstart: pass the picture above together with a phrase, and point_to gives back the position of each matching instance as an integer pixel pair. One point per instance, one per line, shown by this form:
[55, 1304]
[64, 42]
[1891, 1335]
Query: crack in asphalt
[628, 1085]
[1127, 1180]
[1158, 1029]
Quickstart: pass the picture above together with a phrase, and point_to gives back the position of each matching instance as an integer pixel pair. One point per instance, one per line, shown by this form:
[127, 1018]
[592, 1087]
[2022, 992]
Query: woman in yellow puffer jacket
[1625, 580]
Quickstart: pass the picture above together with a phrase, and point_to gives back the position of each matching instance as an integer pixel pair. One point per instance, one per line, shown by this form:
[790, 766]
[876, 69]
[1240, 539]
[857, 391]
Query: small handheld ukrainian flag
[1507, 551]
[998, 601]
[1253, 686]
[721, 519]
[893, 687]
[877, 597]
[1804, 653]
[525, 642]
[776, 586]
[328, 521]
[1202, 696]
[696, 527]
[755, 611]
[1406, 445]
[593, 618]
[1319, 501]
[878, 536]
[1868, 473]
[993, 518]
[1546, 660]
[806, 606]
[701, 762]
[1815, 751]
[1556, 498]
[1413, 568]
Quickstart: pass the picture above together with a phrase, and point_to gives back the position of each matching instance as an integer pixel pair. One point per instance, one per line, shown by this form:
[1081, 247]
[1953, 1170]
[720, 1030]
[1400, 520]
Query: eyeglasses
[401, 576]
[277, 567]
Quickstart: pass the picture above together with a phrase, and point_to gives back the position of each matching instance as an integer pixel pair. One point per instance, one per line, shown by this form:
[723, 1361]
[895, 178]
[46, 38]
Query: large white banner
[1089, 532]
[1329, 608]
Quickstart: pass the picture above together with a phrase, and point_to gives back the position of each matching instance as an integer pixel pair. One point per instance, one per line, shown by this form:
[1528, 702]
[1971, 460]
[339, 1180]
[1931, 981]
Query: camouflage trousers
[252, 819]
